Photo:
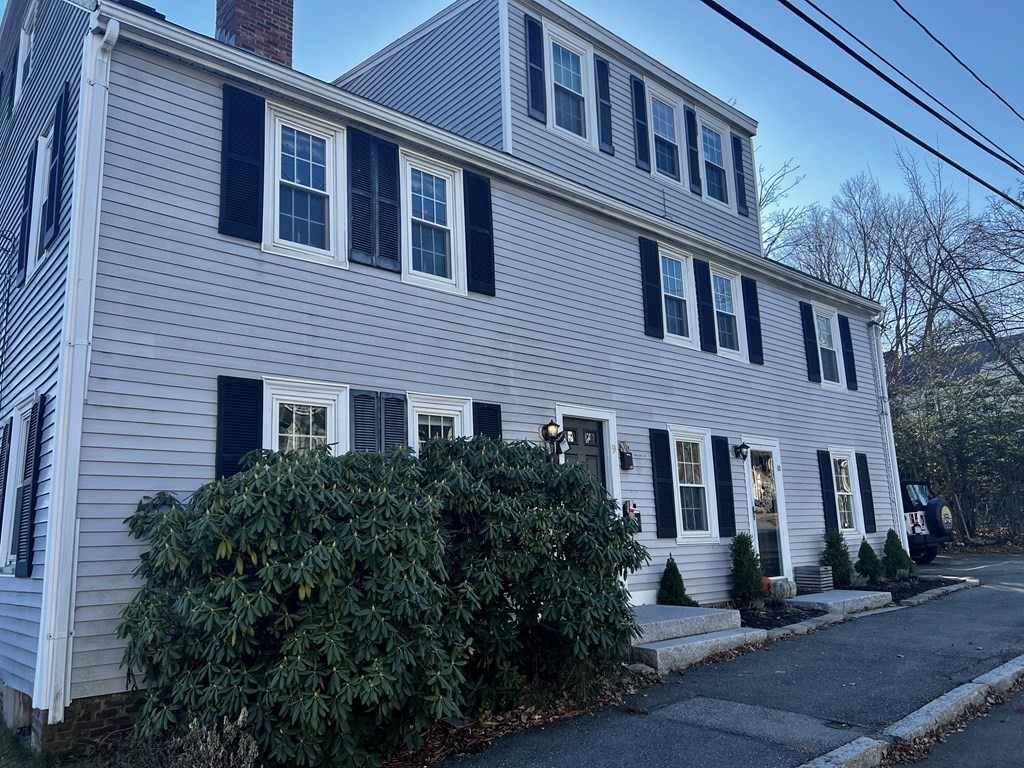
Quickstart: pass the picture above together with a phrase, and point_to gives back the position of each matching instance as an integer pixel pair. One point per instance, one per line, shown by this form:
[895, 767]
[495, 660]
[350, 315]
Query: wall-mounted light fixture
[741, 451]
[552, 435]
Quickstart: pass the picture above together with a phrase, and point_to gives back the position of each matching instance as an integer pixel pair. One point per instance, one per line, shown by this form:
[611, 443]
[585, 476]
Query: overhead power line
[957, 59]
[912, 81]
[850, 97]
[1012, 164]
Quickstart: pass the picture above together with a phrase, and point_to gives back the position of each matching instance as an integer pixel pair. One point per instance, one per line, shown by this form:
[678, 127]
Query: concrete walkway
[798, 699]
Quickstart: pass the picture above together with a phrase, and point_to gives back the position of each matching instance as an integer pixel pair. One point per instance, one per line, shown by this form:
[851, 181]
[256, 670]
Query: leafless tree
[778, 219]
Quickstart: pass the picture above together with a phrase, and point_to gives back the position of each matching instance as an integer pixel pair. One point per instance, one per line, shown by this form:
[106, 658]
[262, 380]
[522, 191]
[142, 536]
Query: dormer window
[666, 143]
[570, 104]
[714, 165]
[23, 66]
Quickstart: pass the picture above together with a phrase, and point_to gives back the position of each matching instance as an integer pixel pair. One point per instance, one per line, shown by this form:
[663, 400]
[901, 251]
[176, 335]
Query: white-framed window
[26, 46]
[727, 299]
[432, 416]
[844, 480]
[433, 236]
[696, 503]
[680, 303]
[20, 420]
[665, 134]
[715, 155]
[299, 415]
[826, 329]
[570, 85]
[304, 206]
[40, 200]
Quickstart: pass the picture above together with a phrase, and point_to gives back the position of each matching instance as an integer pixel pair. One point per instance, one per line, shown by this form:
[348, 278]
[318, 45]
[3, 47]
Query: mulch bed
[903, 589]
[771, 617]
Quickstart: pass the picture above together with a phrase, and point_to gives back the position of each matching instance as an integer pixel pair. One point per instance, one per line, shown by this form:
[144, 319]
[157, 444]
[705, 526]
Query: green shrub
[895, 561]
[536, 554]
[672, 590]
[747, 579]
[309, 591]
[868, 565]
[837, 555]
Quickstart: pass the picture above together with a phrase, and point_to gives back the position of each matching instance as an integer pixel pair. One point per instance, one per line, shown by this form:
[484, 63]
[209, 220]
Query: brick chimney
[263, 27]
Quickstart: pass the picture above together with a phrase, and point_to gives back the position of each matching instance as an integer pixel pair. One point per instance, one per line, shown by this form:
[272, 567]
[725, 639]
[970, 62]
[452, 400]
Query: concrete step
[668, 655]
[664, 622]
[843, 601]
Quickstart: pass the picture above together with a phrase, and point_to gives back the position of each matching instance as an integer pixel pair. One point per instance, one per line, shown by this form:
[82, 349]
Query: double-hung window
[36, 250]
[845, 484]
[304, 213]
[713, 149]
[726, 301]
[438, 416]
[678, 296]
[26, 44]
[16, 480]
[433, 252]
[302, 415]
[665, 137]
[695, 496]
[570, 85]
[825, 327]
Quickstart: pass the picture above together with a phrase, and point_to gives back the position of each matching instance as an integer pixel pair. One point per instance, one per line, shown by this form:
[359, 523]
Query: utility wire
[850, 97]
[913, 82]
[1012, 164]
[956, 58]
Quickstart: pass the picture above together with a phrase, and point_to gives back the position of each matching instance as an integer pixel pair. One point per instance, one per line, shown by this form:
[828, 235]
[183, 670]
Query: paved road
[789, 702]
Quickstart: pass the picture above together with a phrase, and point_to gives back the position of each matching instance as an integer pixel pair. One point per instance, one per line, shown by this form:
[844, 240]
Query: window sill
[681, 341]
[423, 281]
[573, 137]
[697, 538]
[833, 385]
[313, 256]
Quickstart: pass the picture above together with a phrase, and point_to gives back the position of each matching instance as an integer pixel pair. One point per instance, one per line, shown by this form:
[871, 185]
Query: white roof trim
[213, 56]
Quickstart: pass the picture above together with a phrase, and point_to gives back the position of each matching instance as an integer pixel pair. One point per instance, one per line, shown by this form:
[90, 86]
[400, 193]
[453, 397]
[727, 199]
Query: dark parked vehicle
[929, 520]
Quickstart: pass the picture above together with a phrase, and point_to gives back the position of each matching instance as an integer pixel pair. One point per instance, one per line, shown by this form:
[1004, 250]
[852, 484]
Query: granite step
[683, 652]
[665, 622]
[842, 601]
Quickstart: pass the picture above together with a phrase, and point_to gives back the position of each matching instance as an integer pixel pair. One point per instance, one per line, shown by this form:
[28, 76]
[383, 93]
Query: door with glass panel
[768, 510]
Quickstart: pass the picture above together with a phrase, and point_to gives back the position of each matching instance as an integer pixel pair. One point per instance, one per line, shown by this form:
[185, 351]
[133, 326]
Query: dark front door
[586, 445]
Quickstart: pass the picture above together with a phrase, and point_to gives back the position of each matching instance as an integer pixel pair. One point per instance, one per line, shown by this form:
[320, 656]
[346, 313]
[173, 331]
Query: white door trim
[611, 449]
[768, 444]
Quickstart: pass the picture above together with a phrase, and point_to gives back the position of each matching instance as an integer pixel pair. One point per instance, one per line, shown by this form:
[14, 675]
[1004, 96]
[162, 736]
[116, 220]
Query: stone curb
[866, 752]
[931, 594]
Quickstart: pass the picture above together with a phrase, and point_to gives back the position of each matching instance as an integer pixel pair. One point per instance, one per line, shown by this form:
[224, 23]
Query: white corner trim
[888, 440]
[506, 76]
[51, 690]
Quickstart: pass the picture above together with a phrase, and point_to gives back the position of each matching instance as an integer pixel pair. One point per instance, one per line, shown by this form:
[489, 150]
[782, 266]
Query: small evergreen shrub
[858, 580]
[672, 591]
[837, 555]
[896, 562]
[868, 565]
[747, 588]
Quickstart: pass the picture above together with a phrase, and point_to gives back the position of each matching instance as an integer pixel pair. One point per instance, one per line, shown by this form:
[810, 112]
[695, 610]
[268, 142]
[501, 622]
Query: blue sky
[799, 118]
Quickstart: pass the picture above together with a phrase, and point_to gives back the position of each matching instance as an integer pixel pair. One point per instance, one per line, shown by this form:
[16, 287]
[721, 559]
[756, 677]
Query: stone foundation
[87, 722]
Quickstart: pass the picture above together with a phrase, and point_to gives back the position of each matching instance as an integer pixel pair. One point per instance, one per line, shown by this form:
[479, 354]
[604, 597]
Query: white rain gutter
[52, 689]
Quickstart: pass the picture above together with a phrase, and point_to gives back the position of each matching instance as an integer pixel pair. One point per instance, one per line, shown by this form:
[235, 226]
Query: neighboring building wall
[34, 310]
[448, 75]
[178, 305]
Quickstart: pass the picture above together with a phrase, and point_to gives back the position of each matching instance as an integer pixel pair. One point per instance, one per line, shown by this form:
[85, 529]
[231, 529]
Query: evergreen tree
[747, 579]
[672, 590]
[895, 558]
[868, 565]
[837, 554]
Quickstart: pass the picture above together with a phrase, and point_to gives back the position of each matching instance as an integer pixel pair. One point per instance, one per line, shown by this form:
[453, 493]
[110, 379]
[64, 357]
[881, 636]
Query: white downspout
[885, 421]
[52, 690]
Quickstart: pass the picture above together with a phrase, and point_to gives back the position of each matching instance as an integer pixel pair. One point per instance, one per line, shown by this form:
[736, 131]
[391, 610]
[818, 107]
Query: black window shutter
[389, 244]
[693, 150]
[722, 458]
[640, 132]
[239, 422]
[365, 421]
[604, 106]
[25, 233]
[479, 234]
[867, 500]
[360, 184]
[394, 426]
[705, 306]
[241, 165]
[846, 341]
[487, 420]
[664, 484]
[5, 457]
[810, 342]
[536, 86]
[752, 311]
[55, 176]
[828, 491]
[741, 176]
[650, 276]
[27, 497]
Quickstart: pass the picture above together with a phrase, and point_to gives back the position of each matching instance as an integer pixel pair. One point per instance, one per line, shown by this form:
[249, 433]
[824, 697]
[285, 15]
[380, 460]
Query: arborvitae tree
[895, 558]
[747, 585]
[837, 555]
[672, 590]
[868, 565]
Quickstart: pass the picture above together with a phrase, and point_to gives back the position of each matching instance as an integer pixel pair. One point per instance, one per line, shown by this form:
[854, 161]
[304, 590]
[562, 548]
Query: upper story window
[724, 294]
[304, 206]
[302, 415]
[825, 327]
[570, 85]
[677, 291]
[434, 242]
[36, 252]
[26, 44]
[665, 132]
[716, 179]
